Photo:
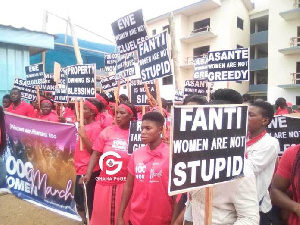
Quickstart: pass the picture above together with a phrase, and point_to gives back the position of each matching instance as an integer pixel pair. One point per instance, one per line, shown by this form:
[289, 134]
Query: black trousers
[90, 189]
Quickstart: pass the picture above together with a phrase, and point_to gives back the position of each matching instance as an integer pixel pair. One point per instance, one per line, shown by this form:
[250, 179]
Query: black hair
[229, 95]
[295, 175]
[267, 109]
[155, 117]
[46, 99]
[3, 131]
[16, 89]
[103, 95]
[131, 106]
[280, 102]
[200, 100]
[124, 97]
[100, 106]
[164, 103]
[246, 97]
[7, 96]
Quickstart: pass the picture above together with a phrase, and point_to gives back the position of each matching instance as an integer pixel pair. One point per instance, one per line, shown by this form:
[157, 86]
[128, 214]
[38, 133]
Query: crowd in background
[135, 191]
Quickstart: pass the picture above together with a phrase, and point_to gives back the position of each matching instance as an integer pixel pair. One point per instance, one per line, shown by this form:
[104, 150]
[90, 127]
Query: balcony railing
[296, 78]
[295, 41]
[189, 61]
[202, 29]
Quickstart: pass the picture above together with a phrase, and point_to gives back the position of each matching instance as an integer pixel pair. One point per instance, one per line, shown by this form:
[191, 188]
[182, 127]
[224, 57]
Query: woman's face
[150, 131]
[123, 117]
[6, 102]
[46, 108]
[255, 119]
[87, 112]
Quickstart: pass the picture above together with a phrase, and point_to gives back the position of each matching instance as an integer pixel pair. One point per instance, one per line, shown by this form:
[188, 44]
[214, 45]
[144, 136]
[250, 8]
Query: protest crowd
[113, 159]
[267, 194]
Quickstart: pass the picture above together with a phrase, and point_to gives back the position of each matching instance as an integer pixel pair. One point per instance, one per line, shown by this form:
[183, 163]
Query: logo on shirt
[154, 174]
[140, 171]
[113, 166]
[119, 144]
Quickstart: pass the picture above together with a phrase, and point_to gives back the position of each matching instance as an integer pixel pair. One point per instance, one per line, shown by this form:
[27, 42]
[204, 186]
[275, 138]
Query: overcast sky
[95, 15]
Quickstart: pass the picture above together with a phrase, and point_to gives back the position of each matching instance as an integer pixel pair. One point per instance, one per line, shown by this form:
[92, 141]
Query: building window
[202, 25]
[297, 100]
[200, 51]
[240, 23]
[167, 80]
[297, 77]
[167, 27]
[239, 46]
[154, 32]
[298, 36]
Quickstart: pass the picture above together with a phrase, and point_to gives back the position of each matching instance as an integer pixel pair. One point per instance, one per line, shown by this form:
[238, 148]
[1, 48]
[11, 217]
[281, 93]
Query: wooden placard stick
[87, 215]
[128, 88]
[76, 110]
[117, 93]
[143, 110]
[61, 107]
[149, 96]
[81, 122]
[38, 96]
[208, 91]
[208, 206]
[158, 99]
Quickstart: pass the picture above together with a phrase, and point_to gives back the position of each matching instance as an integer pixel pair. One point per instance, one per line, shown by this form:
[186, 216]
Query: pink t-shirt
[23, 109]
[52, 116]
[82, 158]
[113, 143]
[105, 119]
[150, 203]
[284, 170]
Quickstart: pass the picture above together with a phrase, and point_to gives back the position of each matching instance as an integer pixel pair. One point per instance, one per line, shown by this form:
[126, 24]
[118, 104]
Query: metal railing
[296, 78]
[295, 41]
[190, 60]
[202, 29]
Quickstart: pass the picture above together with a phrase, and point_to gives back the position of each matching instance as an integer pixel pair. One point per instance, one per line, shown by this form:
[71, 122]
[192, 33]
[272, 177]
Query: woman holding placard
[88, 134]
[147, 181]
[111, 145]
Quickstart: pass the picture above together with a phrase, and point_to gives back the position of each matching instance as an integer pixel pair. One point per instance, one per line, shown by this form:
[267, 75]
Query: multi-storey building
[284, 51]
[208, 25]
[272, 32]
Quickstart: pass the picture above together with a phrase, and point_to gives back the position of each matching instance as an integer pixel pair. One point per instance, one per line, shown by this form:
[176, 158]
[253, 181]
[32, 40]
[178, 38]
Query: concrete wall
[13, 59]
[280, 65]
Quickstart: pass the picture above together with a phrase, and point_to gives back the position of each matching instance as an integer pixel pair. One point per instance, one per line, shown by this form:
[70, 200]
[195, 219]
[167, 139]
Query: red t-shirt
[52, 116]
[113, 143]
[281, 111]
[82, 158]
[24, 109]
[150, 203]
[284, 170]
[105, 119]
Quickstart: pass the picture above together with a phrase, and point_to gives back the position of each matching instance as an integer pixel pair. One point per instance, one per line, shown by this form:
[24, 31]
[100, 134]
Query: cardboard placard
[287, 130]
[129, 31]
[110, 61]
[153, 58]
[208, 145]
[197, 87]
[49, 84]
[110, 82]
[125, 65]
[225, 65]
[138, 92]
[27, 92]
[81, 80]
[179, 96]
[135, 137]
[35, 74]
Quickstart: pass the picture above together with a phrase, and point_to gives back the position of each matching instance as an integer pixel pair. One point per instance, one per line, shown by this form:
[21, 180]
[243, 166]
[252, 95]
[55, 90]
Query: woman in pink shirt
[88, 134]
[286, 176]
[111, 145]
[47, 113]
[146, 187]
[104, 116]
